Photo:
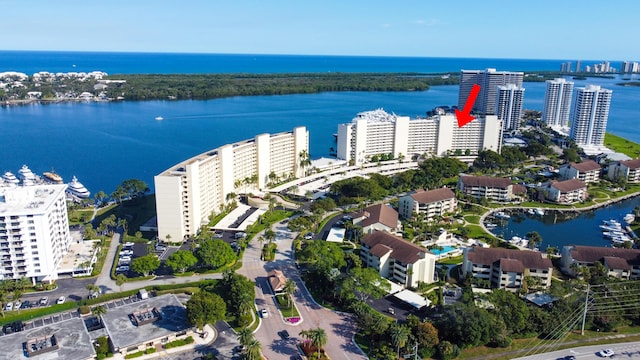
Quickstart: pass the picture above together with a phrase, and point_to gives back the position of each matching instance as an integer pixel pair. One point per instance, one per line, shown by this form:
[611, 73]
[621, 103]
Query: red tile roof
[616, 263]
[631, 164]
[486, 181]
[380, 213]
[431, 196]
[519, 189]
[380, 250]
[591, 254]
[511, 265]
[587, 165]
[402, 250]
[277, 280]
[528, 259]
[569, 185]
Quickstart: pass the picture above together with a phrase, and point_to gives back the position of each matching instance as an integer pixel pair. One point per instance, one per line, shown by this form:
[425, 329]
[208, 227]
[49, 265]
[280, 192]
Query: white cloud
[428, 22]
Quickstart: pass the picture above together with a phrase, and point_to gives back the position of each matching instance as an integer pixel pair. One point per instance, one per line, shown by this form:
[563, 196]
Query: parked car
[15, 326]
[606, 353]
[44, 301]
[123, 268]
[264, 313]
[60, 300]
[8, 306]
[17, 304]
[308, 236]
[284, 334]
[25, 305]
[124, 258]
[239, 235]
[128, 244]
[126, 252]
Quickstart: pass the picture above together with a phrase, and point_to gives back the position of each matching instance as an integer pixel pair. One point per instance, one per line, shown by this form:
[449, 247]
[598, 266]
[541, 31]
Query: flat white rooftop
[336, 235]
[414, 299]
[25, 200]
[596, 150]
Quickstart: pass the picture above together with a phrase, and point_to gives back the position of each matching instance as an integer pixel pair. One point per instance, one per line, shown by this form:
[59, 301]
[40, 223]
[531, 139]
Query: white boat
[629, 218]
[531, 212]
[26, 176]
[52, 177]
[502, 215]
[611, 234]
[539, 211]
[78, 190]
[10, 179]
[611, 222]
[159, 118]
[490, 225]
[611, 227]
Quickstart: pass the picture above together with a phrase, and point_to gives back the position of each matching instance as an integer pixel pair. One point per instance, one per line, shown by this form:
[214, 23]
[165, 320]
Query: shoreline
[561, 210]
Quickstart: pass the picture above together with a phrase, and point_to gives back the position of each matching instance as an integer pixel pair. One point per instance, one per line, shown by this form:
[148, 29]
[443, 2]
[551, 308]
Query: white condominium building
[378, 132]
[557, 102]
[489, 80]
[34, 231]
[188, 192]
[590, 114]
[509, 106]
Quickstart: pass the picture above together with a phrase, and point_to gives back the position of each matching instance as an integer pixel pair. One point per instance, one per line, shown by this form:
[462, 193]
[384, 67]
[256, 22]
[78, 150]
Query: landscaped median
[288, 309]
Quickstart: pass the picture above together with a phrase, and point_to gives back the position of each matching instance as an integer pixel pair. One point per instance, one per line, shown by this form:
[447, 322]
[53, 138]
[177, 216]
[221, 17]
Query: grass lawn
[474, 219]
[476, 231]
[287, 310]
[451, 261]
[619, 144]
[136, 211]
[80, 216]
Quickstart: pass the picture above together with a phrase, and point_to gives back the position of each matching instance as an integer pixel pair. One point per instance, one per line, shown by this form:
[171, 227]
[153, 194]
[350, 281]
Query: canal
[558, 228]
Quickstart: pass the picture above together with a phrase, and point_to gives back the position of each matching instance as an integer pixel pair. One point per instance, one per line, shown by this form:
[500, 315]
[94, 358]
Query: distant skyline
[544, 29]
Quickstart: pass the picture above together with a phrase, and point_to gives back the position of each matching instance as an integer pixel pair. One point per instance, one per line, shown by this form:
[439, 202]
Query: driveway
[340, 328]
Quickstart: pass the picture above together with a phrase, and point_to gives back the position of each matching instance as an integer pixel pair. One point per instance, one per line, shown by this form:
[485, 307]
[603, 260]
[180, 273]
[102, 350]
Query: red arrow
[464, 116]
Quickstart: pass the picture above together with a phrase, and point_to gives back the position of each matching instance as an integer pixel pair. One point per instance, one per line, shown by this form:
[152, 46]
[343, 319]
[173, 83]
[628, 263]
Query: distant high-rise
[578, 64]
[489, 80]
[557, 102]
[589, 115]
[509, 106]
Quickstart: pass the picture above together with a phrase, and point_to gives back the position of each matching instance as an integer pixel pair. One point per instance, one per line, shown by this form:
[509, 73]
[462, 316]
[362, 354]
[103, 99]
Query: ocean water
[30, 62]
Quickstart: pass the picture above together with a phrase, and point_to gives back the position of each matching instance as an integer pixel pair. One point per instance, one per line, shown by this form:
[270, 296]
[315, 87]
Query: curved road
[339, 327]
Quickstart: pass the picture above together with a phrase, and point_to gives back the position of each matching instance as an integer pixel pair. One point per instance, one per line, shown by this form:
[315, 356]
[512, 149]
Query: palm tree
[289, 288]
[305, 160]
[245, 306]
[399, 336]
[253, 350]
[317, 338]
[99, 311]
[92, 288]
[120, 280]
[269, 235]
[245, 336]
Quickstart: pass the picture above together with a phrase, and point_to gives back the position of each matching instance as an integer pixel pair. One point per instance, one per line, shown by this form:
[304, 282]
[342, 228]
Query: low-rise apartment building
[432, 203]
[490, 188]
[628, 169]
[620, 263]
[506, 268]
[588, 171]
[377, 217]
[397, 259]
[566, 192]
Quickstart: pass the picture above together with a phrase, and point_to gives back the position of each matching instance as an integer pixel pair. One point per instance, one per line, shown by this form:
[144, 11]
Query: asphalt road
[339, 327]
[621, 350]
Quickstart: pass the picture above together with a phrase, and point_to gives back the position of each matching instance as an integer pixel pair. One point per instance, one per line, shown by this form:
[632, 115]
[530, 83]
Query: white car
[8, 307]
[60, 300]
[122, 269]
[44, 301]
[264, 313]
[606, 353]
[126, 253]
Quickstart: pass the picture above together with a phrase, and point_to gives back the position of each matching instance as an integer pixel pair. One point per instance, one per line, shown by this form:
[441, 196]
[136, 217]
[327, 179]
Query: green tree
[289, 288]
[366, 283]
[89, 232]
[99, 311]
[534, 238]
[399, 335]
[132, 188]
[253, 350]
[100, 196]
[205, 308]
[181, 260]
[92, 289]
[317, 337]
[215, 253]
[120, 280]
[145, 264]
[245, 336]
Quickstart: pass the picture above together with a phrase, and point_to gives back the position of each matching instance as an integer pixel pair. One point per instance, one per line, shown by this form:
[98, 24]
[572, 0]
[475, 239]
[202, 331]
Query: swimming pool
[445, 249]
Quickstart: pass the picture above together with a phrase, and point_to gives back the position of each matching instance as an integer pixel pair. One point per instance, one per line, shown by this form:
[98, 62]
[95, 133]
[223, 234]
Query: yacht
[77, 190]
[539, 211]
[159, 118]
[531, 212]
[26, 176]
[629, 218]
[502, 215]
[10, 179]
[52, 177]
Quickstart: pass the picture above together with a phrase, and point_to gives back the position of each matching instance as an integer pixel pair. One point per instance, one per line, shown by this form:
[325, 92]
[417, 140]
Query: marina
[75, 189]
[604, 226]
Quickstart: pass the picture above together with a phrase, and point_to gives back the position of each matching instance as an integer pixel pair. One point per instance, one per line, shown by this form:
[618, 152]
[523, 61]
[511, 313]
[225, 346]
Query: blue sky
[539, 29]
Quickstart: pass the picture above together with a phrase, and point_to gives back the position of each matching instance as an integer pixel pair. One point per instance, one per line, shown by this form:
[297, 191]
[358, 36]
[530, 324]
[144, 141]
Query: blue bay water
[105, 143]
[164, 63]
